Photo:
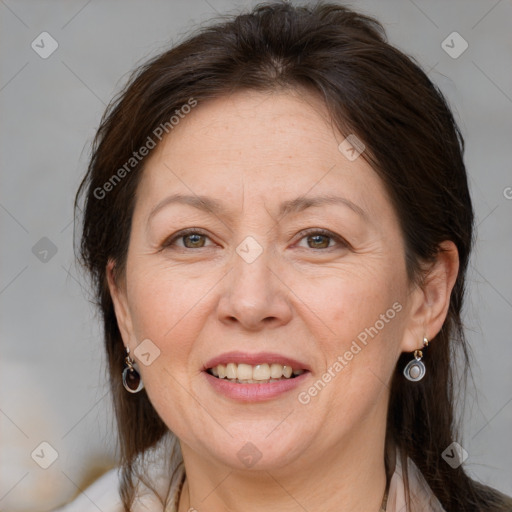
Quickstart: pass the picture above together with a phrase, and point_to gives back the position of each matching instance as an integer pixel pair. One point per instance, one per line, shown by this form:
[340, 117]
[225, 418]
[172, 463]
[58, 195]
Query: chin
[258, 452]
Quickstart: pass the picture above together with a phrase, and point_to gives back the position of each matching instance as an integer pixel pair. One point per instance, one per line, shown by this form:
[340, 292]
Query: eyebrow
[302, 203]
[205, 203]
[208, 204]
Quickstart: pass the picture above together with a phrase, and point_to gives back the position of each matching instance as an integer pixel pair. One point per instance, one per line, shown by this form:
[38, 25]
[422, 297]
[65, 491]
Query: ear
[117, 290]
[430, 300]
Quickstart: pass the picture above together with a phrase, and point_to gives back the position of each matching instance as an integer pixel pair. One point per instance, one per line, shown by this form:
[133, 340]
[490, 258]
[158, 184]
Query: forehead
[261, 146]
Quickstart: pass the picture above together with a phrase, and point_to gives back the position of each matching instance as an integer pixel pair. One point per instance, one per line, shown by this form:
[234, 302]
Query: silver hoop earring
[132, 381]
[415, 369]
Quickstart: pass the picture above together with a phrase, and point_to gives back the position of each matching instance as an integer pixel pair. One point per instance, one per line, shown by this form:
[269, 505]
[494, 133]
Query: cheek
[352, 304]
[362, 318]
[165, 307]
[161, 298]
[168, 309]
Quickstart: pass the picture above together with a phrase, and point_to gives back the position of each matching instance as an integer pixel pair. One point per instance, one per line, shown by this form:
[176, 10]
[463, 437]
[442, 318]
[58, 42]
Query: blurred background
[61, 63]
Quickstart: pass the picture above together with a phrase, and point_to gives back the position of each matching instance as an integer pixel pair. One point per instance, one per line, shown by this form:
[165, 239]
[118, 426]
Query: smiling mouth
[254, 374]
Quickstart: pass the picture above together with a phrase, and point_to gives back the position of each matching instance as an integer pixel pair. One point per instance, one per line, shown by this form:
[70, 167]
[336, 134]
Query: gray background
[52, 366]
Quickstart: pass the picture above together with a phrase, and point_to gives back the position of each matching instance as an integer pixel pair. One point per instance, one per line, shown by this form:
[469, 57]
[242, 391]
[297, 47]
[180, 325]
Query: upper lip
[254, 359]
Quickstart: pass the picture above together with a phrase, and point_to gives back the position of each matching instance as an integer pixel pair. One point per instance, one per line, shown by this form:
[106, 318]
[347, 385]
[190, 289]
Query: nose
[255, 295]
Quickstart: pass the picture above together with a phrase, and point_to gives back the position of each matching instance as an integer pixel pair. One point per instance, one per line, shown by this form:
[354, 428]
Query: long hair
[412, 142]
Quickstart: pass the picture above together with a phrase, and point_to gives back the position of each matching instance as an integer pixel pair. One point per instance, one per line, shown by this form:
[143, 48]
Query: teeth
[243, 372]
[231, 371]
[260, 373]
[276, 371]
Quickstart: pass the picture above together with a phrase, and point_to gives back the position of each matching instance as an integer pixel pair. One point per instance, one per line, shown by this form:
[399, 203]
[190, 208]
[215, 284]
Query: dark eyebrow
[214, 206]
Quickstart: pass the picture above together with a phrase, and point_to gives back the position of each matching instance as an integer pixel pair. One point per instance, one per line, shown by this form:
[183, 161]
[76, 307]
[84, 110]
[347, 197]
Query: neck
[349, 477]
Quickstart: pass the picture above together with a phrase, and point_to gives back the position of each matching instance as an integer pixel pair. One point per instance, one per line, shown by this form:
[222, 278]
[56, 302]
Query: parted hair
[372, 90]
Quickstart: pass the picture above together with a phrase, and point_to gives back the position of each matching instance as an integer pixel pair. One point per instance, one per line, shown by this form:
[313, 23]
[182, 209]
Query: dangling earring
[132, 381]
[415, 369]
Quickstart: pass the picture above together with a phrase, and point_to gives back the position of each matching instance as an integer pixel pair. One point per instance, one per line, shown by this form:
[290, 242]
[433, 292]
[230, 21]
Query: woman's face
[294, 258]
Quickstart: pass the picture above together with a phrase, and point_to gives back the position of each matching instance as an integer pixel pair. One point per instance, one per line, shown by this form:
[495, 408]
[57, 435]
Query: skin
[304, 297]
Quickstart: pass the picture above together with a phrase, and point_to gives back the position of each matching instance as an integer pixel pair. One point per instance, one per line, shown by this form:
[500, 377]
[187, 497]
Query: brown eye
[193, 241]
[187, 239]
[321, 239]
[318, 241]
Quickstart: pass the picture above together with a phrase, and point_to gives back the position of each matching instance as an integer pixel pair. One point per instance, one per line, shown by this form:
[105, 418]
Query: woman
[278, 224]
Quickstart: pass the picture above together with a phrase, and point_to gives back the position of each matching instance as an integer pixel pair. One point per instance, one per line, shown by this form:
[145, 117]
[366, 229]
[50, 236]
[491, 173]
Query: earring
[132, 381]
[415, 369]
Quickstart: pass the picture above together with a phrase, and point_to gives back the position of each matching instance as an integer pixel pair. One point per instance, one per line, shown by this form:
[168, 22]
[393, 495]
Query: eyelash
[303, 234]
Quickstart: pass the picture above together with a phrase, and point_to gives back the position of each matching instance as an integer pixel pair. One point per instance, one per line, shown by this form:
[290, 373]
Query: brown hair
[412, 141]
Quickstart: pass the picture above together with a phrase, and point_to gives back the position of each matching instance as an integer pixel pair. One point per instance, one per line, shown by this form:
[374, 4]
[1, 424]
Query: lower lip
[254, 392]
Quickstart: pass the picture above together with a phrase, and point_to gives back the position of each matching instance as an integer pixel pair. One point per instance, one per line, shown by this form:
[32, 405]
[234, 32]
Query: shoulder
[102, 495]
[496, 500]
[420, 494]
